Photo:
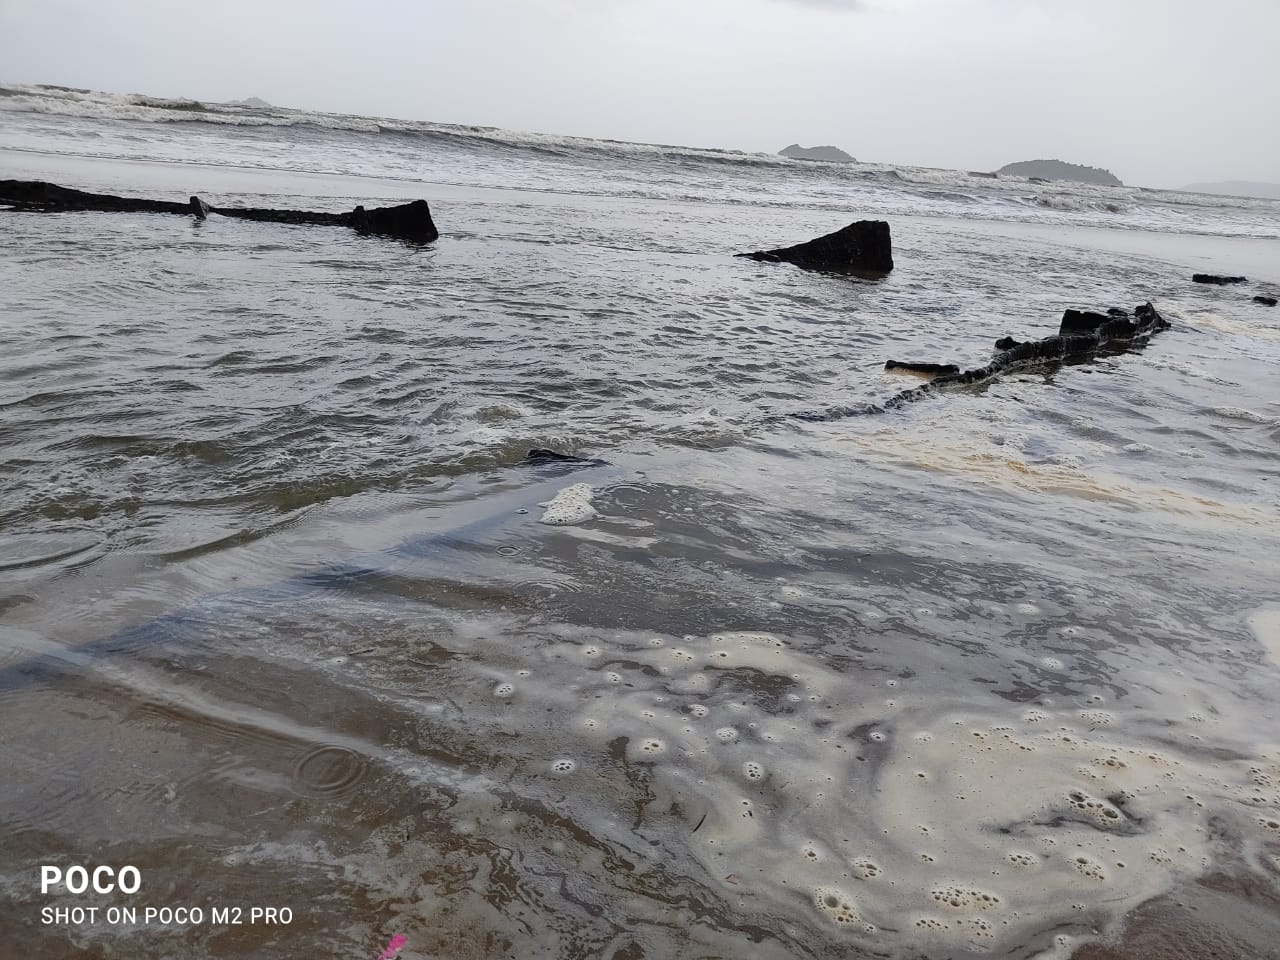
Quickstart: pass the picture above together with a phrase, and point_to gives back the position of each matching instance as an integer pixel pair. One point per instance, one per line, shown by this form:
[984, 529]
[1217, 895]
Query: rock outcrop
[408, 221]
[1043, 170]
[828, 153]
[863, 247]
[1265, 300]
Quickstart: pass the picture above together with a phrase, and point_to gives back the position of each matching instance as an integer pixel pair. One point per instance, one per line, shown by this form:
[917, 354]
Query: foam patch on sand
[570, 505]
[1241, 413]
[785, 787]
[892, 818]
[1004, 469]
[1215, 321]
[1265, 624]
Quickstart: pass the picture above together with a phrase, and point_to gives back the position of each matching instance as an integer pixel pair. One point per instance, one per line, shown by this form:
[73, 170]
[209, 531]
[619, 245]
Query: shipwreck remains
[863, 247]
[406, 221]
[923, 369]
[1082, 336]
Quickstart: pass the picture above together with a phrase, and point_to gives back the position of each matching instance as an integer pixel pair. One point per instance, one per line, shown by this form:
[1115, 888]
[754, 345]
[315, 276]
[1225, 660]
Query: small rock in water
[1265, 301]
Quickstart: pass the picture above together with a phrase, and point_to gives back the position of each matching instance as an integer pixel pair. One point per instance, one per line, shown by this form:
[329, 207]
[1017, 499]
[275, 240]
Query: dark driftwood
[408, 221]
[861, 247]
[1081, 336]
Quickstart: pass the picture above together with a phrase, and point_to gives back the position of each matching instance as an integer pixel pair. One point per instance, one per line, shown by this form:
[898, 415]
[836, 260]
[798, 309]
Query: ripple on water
[328, 770]
[550, 583]
[49, 553]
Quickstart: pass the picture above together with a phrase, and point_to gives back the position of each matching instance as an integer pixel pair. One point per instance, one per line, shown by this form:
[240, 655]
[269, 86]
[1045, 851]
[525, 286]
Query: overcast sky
[1161, 92]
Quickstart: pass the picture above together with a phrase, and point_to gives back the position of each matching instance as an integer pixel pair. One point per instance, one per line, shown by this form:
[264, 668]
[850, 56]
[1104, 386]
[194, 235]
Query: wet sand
[1222, 916]
[513, 730]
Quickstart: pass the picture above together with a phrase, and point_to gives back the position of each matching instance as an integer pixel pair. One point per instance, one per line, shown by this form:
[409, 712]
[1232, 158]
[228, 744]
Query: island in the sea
[797, 152]
[256, 102]
[1061, 170]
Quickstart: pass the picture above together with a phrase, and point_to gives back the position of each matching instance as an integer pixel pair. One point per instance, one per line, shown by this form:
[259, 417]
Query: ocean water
[285, 621]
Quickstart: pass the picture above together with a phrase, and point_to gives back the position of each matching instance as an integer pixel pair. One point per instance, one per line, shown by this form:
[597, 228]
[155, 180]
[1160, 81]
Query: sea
[291, 625]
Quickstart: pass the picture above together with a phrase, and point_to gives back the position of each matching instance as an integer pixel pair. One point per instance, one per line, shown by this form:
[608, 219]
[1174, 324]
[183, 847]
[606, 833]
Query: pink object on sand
[398, 941]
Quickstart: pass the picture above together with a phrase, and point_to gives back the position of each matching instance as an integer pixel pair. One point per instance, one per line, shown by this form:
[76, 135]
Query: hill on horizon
[830, 153]
[1061, 170]
[1237, 188]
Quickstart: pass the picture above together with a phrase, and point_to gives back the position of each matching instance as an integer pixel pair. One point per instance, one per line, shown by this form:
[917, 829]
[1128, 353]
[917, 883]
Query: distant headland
[256, 102]
[1061, 170]
[797, 152]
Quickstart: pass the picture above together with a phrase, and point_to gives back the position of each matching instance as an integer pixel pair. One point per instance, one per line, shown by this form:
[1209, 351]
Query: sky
[1161, 92]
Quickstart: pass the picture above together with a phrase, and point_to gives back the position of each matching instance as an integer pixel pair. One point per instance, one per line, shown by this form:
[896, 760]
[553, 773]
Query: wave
[163, 103]
[99, 105]
[1077, 204]
[136, 127]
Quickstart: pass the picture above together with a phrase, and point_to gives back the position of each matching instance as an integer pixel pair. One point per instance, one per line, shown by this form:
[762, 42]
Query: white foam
[1240, 413]
[865, 869]
[1265, 624]
[836, 905]
[934, 826]
[570, 505]
[649, 748]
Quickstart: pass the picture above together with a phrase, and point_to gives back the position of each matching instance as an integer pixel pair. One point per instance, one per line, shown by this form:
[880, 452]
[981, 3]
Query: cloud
[844, 6]
[971, 84]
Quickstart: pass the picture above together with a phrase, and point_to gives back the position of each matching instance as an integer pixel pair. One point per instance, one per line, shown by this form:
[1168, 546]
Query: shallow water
[280, 624]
